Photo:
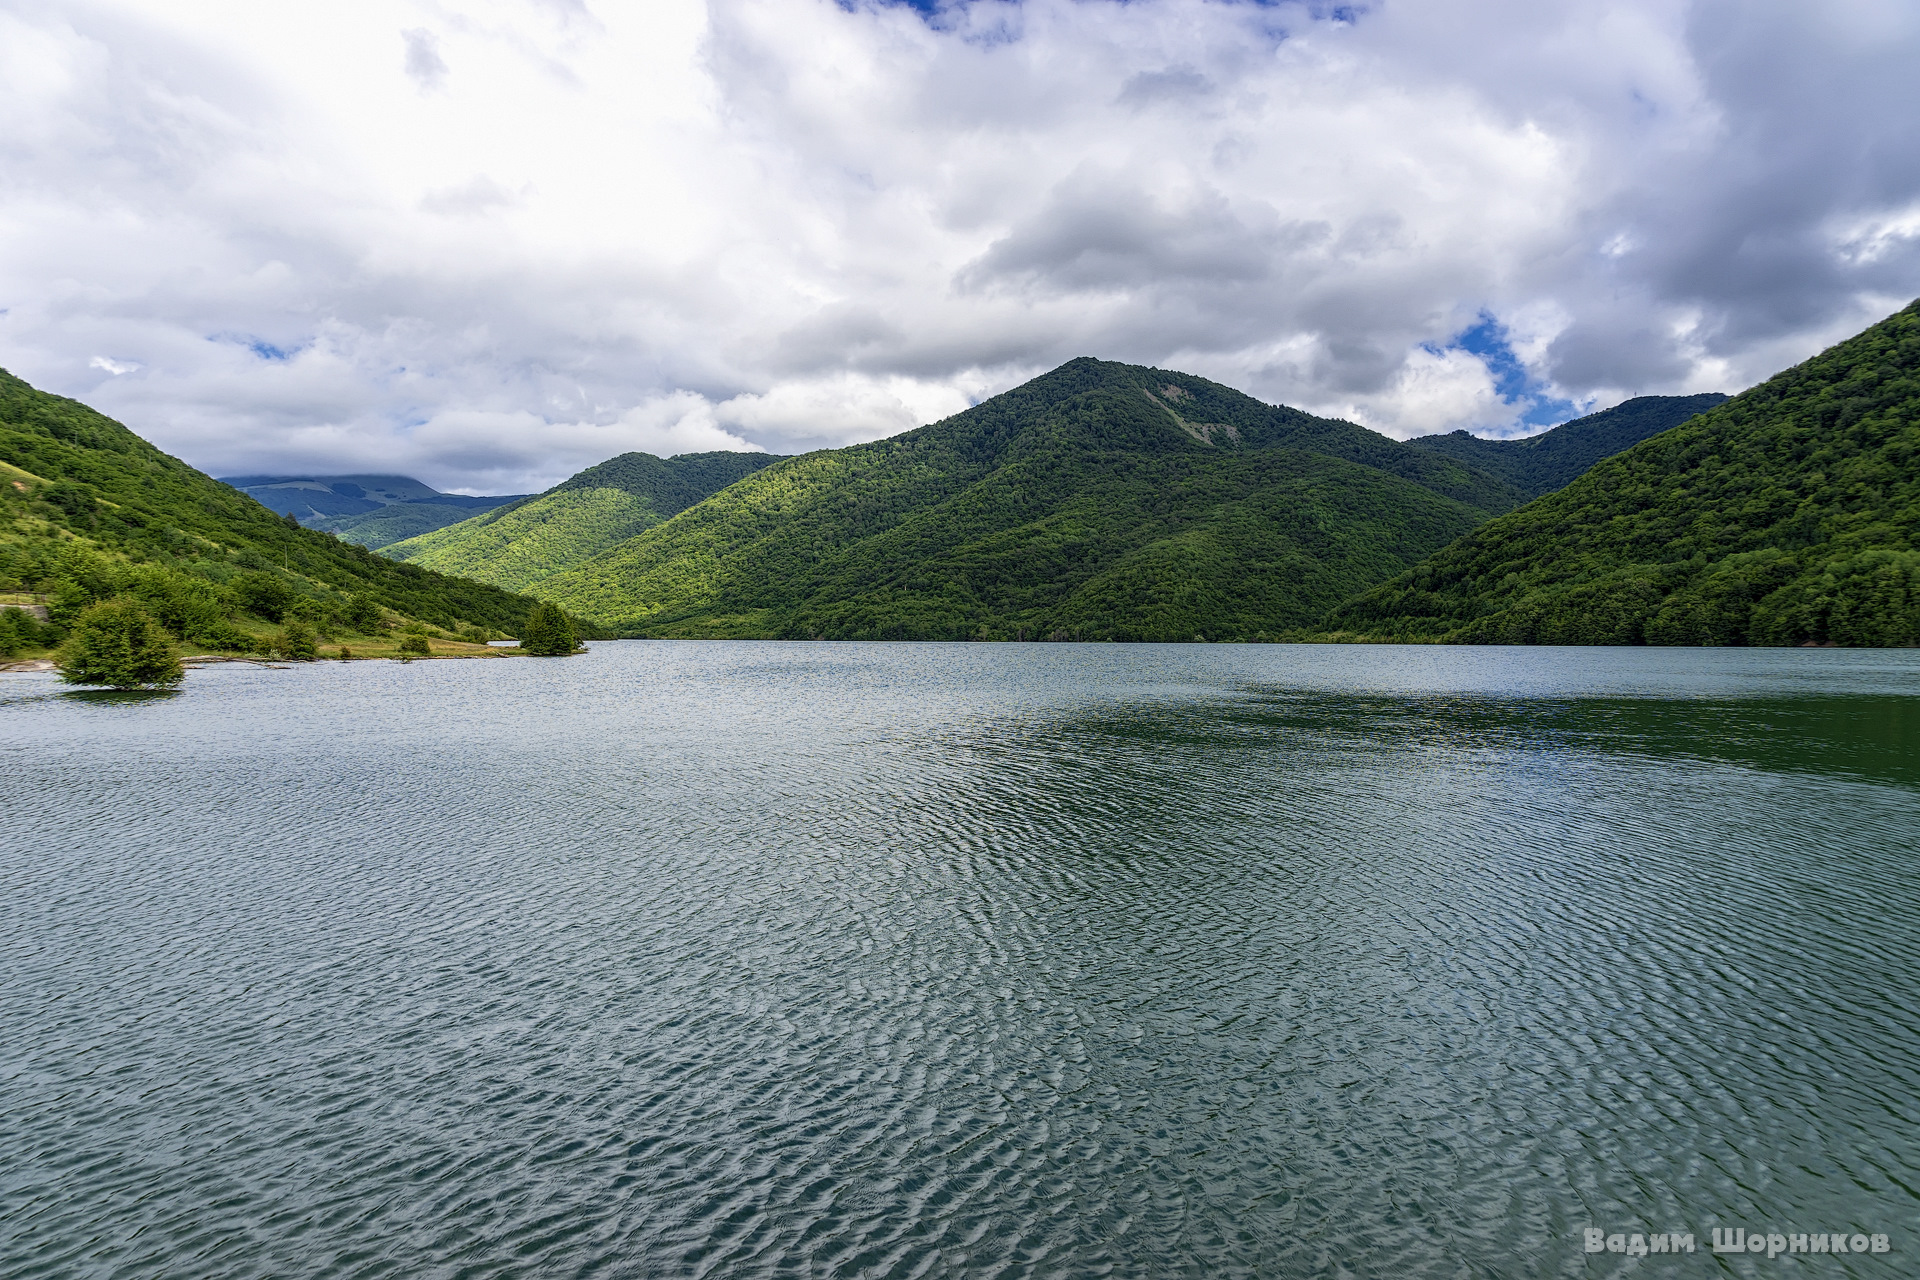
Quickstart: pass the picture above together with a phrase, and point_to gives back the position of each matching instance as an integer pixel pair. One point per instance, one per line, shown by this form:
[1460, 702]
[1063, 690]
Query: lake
[769, 959]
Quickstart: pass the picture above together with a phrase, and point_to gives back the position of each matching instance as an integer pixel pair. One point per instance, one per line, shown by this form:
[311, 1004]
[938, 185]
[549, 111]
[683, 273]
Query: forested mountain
[370, 510]
[1551, 460]
[88, 507]
[1787, 515]
[1098, 501]
[520, 545]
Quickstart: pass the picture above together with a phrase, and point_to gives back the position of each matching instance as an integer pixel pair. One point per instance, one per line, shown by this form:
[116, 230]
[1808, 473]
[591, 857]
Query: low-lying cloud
[489, 242]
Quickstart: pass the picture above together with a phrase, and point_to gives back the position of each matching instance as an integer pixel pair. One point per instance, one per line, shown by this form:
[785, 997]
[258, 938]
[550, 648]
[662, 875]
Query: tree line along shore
[119, 642]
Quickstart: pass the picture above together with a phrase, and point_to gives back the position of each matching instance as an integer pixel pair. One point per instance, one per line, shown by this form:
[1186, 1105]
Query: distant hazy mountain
[1098, 501]
[370, 510]
[577, 519]
[1790, 514]
[1540, 464]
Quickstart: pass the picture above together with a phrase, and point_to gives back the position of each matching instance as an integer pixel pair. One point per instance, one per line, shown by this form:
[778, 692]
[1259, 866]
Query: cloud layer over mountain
[490, 242]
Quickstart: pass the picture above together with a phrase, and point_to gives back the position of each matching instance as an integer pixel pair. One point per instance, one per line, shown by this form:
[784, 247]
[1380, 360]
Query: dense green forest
[531, 540]
[1098, 501]
[89, 510]
[1540, 464]
[1787, 515]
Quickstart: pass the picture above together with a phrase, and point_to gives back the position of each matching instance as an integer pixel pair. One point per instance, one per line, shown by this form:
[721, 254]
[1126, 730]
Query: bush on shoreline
[118, 644]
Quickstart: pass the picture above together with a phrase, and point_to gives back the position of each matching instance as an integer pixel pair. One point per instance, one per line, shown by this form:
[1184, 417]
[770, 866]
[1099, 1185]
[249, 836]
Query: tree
[117, 644]
[13, 636]
[21, 630]
[297, 641]
[362, 614]
[306, 609]
[548, 632]
[265, 594]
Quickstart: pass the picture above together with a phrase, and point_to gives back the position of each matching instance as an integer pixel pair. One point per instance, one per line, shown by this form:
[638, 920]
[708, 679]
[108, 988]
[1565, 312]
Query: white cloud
[423, 61]
[482, 239]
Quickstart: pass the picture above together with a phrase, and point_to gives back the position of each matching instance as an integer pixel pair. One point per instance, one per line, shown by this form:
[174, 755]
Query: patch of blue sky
[259, 346]
[1316, 10]
[1487, 340]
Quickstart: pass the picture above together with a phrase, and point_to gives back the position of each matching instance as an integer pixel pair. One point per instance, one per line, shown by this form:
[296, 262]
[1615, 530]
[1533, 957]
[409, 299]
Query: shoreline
[32, 666]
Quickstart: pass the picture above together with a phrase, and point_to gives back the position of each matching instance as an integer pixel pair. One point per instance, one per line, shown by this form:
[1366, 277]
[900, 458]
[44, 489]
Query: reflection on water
[766, 960]
[1870, 737]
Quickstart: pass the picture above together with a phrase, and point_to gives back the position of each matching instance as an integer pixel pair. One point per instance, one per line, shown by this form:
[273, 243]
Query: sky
[487, 243]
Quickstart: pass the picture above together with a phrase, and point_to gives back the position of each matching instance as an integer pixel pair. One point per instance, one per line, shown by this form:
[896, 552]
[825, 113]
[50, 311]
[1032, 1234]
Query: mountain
[86, 502]
[1100, 500]
[1540, 464]
[370, 510]
[518, 546]
[1787, 515]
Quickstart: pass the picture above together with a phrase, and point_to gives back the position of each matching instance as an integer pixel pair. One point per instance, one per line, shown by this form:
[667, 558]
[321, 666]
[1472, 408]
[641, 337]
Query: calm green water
[995, 960]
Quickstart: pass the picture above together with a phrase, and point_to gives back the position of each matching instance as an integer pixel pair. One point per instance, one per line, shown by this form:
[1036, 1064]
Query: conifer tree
[548, 632]
[115, 643]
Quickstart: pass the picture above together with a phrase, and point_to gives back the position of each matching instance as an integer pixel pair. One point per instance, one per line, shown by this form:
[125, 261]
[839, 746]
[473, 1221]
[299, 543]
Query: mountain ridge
[1786, 515]
[1046, 510]
[1538, 464]
[519, 544]
[373, 510]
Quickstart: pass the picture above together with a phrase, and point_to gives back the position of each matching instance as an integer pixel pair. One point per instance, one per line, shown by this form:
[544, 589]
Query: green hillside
[1100, 501]
[520, 545]
[88, 508]
[1551, 460]
[1787, 515]
[376, 530]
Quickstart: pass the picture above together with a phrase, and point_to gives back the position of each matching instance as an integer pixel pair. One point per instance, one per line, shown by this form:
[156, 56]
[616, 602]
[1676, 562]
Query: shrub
[223, 635]
[414, 643]
[117, 644]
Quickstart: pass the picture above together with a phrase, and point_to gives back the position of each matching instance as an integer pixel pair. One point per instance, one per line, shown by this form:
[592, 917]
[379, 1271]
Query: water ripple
[872, 960]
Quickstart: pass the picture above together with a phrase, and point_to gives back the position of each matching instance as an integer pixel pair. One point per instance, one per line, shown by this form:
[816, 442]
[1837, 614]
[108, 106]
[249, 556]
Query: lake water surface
[759, 959]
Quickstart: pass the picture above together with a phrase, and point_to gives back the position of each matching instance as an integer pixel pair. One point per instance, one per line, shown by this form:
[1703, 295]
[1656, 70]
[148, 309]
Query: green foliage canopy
[1551, 460]
[1098, 501]
[518, 546]
[298, 641]
[72, 477]
[548, 632]
[118, 644]
[21, 630]
[1787, 515]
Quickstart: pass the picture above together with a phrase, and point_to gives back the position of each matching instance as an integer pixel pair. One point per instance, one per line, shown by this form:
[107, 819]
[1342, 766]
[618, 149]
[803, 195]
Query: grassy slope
[1552, 460]
[76, 476]
[518, 546]
[1099, 500]
[1787, 515]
